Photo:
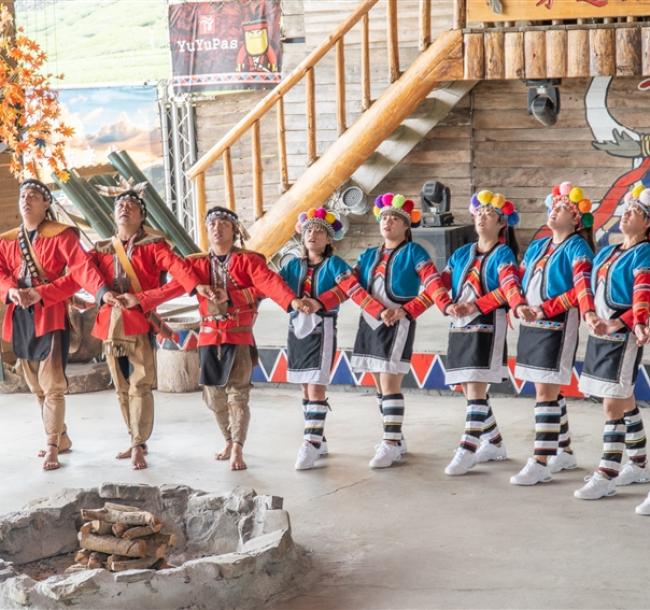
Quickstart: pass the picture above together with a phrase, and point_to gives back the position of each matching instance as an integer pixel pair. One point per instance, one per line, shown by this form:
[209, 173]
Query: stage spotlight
[544, 100]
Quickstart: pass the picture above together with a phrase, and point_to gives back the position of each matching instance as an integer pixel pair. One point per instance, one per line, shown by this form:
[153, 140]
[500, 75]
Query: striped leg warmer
[547, 428]
[613, 447]
[392, 408]
[476, 415]
[635, 437]
[315, 412]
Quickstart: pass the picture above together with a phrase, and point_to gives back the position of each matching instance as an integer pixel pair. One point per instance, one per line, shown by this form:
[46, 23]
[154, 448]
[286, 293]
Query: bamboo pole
[282, 146]
[229, 187]
[494, 55]
[285, 85]
[603, 52]
[628, 52]
[577, 53]
[340, 86]
[535, 53]
[201, 207]
[514, 50]
[310, 100]
[258, 185]
[425, 24]
[393, 44]
[474, 67]
[556, 53]
[365, 62]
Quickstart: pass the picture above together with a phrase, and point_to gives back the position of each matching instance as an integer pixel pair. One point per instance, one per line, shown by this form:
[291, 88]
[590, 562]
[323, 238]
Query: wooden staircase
[520, 42]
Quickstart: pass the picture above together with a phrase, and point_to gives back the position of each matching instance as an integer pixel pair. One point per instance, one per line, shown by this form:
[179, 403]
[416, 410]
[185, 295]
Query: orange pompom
[584, 205]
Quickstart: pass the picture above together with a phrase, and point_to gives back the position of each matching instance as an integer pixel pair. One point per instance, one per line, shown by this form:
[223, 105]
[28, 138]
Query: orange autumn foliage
[30, 123]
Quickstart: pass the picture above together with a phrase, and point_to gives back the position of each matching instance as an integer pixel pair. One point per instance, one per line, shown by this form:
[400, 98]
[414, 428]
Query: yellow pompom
[576, 194]
[584, 206]
[330, 218]
[637, 190]
[484, 197]
[498, 200]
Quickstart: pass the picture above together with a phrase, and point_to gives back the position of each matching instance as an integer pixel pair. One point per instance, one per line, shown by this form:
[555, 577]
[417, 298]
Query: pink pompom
[321, 213]
[387, 198]
[565, 188]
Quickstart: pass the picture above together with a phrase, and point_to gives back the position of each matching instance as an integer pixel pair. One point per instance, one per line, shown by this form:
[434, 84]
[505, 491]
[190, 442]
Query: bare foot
[125, 455]
[65, 445]
[224, 454]
[237, 459]
[137, 458]
[51, 461]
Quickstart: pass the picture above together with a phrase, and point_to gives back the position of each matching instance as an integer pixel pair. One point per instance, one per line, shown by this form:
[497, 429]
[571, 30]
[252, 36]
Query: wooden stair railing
[275, 99]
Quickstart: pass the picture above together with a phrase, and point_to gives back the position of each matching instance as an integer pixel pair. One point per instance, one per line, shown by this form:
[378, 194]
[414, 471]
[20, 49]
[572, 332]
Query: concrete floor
[406, 537]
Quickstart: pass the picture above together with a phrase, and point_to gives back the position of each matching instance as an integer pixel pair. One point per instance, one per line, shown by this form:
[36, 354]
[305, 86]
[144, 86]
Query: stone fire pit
[232, 551]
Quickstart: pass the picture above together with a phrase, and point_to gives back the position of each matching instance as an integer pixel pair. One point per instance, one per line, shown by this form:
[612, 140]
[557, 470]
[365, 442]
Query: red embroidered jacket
[249, 277]
[65, 263]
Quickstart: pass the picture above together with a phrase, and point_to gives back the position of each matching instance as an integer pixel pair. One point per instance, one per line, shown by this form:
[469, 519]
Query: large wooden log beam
[442, 61]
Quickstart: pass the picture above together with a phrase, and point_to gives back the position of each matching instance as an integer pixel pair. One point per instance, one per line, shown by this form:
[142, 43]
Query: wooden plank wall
[9, 216]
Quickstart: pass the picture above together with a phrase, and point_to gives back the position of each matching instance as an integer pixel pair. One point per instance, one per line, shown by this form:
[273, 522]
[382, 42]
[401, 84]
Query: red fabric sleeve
[150, 299]
[641, 296]
[434, 292]
[61, 289]
[180, 269]
[7, 279]
[348, 287]
[80, 265]
[509, 291]
[268, 282]
[579, 295]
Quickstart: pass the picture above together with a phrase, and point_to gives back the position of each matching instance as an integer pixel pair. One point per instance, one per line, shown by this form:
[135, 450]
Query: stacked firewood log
[118, 538]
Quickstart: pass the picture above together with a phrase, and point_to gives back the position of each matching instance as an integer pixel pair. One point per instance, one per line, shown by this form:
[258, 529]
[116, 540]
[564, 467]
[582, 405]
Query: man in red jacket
[41, 264]
[135, 259]
[236, 278]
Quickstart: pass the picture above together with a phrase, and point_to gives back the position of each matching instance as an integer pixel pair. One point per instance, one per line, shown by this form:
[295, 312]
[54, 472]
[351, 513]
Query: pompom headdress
[323, 218]
[394, 203]
[639, 196]
[574, 198]
[502, 206]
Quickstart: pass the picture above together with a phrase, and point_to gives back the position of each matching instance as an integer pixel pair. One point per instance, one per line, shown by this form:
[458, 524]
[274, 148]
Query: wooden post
[365, 62]
[460, 15]
[645, 51]
[282, 146]
[340, 86]
[425, 24]
[258, 185]
[494, 55]
[228, 186]
[577, 53]
[393, 44]
[514, 52]
[556, 57]
[474, 57]
[603, 52]
[628, 52]
[201, 207]
[310, 97]
[535, 53]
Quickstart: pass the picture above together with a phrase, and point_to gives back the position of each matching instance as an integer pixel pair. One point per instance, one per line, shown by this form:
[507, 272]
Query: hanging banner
[225, 45]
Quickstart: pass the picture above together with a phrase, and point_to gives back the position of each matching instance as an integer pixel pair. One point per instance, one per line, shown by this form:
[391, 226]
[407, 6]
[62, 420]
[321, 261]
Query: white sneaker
[598, 486]
[307, 456]
[562, 461]
[402, 446]
[462, 461]
[489, 452]
[644, 507]
[631, 473]
[531, 474]
[323, 451]
[385, 456]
